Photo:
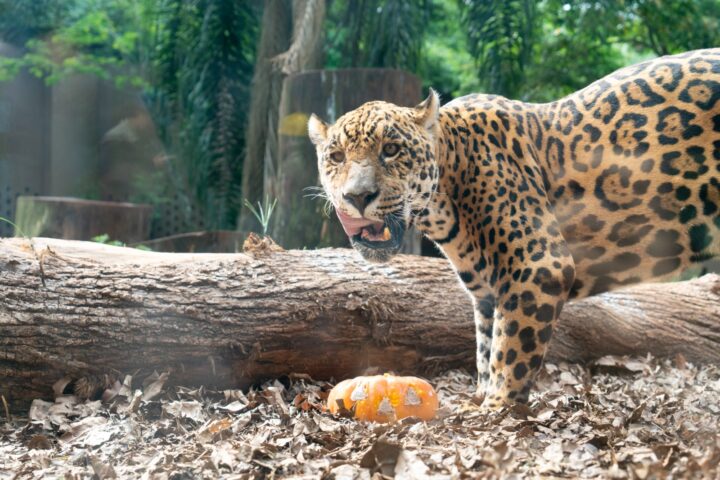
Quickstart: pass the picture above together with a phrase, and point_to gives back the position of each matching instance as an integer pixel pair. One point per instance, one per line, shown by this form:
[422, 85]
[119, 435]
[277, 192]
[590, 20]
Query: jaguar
[538, 204]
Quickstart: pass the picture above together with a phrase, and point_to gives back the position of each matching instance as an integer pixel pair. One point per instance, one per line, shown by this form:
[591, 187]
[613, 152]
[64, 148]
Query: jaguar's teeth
[376, 234]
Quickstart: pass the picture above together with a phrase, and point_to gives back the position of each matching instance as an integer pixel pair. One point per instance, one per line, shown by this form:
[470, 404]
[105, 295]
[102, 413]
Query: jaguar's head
[377, 165]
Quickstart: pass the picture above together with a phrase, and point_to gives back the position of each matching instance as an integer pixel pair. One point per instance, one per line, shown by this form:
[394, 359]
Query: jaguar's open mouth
[385, 235]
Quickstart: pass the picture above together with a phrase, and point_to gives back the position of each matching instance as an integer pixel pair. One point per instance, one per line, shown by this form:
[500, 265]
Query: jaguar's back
[631, 165]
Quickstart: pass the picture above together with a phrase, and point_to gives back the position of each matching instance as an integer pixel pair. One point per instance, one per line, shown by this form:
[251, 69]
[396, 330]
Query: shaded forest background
[210, 71]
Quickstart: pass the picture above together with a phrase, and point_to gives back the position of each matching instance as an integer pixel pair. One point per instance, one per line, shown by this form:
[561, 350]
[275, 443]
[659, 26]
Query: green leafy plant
[385, 33]
[98, 37]
[263, 213]
[106, 240]
[202, 64]
[501, 34]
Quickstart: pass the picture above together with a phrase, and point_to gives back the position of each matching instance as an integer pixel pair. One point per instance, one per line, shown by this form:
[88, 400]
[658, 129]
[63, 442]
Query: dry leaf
[186, 409]
[154, 388]
[381, 457]
[661, 421]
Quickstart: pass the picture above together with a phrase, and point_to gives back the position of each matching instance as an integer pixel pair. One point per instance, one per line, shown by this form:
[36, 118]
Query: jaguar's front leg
[527, 311]
[484, 309]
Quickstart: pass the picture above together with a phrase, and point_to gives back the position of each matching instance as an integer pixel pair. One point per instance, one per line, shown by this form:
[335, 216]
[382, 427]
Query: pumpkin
[384, 398]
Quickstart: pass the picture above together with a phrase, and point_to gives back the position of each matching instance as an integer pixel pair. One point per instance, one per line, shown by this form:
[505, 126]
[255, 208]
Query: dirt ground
[617, 418]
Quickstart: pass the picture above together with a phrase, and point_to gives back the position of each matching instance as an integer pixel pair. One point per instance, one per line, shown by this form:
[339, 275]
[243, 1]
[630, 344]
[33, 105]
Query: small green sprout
[263, 212]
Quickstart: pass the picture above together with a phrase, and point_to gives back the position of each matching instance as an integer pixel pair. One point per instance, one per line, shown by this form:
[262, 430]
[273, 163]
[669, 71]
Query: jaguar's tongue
[370, 229]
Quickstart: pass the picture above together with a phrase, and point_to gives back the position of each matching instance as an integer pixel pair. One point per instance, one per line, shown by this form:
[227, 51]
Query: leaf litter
[619, 418]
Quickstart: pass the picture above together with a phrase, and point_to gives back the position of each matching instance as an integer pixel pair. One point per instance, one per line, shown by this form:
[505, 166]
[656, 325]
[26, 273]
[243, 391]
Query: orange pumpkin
[384, 398]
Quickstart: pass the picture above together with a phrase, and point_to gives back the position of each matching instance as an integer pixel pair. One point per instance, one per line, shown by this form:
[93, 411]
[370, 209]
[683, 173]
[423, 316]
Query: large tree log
[77, 308]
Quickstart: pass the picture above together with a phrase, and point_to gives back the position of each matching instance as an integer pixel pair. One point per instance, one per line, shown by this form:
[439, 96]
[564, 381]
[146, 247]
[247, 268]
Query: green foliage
[263, 212]
[61, 38]
[578, 43]
[383, 33]
[540, 51]
[106, 240]
[501, 35]
[200, 97]
[534, 51]
[22, 20]
[446, 64]
[671, 26]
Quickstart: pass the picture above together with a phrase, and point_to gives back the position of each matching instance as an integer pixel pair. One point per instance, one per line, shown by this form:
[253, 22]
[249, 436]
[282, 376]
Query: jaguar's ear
[317, 130]
[426, 113]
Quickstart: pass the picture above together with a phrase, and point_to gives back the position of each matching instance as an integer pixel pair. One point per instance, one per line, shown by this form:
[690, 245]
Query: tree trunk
[277, 57]
[79, 309]
[275, 33]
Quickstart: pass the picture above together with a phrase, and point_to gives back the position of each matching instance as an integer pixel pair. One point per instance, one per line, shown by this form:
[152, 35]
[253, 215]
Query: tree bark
[80, 309]
[300, 21]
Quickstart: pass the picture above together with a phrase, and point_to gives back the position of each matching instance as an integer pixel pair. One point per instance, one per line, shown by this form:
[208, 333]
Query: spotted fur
[535, 204]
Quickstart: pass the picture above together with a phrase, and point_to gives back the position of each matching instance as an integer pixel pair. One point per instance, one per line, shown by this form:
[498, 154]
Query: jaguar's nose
[361, 200]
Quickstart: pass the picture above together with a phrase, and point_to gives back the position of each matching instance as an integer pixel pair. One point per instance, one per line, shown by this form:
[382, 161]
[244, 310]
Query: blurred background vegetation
[193, 63]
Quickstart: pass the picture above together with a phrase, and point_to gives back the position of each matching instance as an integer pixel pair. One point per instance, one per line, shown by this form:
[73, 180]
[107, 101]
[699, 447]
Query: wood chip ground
[634, 418]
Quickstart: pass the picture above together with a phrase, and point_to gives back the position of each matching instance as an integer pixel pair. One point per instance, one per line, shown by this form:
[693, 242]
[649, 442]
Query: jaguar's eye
[390, 149]
[337, 157]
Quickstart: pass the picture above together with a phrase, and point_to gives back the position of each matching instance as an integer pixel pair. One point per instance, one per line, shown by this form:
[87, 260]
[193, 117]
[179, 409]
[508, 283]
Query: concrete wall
[74, 134]
[24, 139]
[81, 137]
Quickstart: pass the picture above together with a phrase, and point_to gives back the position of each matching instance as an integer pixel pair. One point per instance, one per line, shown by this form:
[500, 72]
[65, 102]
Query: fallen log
[80, 309]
